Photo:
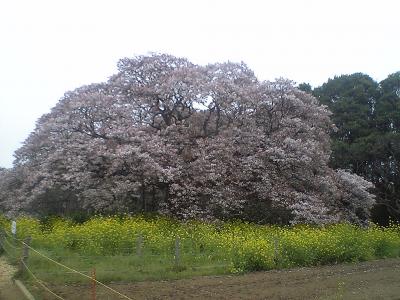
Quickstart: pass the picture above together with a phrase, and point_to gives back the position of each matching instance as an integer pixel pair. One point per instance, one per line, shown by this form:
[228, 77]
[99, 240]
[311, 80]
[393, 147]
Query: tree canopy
[165, 135]
[367, 142]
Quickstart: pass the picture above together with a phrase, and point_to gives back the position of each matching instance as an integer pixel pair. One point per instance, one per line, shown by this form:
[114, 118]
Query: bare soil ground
[8, 291]
[378, 279]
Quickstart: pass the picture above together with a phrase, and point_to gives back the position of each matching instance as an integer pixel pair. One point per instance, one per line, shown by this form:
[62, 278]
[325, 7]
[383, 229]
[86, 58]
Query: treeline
[367, 141]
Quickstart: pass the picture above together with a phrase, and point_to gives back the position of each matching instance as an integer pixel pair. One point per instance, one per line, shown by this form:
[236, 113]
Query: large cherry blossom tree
[165, 135]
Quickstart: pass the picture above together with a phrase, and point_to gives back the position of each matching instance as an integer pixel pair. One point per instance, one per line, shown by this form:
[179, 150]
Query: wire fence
[46, 270]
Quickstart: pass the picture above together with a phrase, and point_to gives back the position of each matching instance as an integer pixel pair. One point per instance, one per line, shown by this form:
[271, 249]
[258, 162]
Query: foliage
[207, 142]
[367, 142]
[240, 246]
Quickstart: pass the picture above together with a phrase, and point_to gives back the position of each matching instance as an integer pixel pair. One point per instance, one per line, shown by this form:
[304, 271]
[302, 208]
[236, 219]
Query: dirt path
[8, 290]
[369, 280]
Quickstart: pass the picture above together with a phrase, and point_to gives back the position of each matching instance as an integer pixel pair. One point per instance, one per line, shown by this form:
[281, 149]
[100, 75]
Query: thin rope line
[80, 273]
[9, 243]
[9, 254]
[41, 282]
[5, 231]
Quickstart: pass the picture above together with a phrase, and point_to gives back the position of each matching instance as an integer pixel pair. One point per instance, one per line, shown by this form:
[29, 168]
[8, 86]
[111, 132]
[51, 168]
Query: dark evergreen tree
[305, 87]
[367, 142]
[387, 148]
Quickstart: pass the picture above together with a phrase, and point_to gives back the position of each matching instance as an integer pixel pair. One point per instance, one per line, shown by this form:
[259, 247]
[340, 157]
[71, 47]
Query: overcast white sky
[49, 47]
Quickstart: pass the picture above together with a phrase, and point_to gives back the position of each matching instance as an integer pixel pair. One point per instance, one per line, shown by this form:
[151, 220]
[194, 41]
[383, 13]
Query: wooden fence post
[139, 245]
[94, 284]
[1, 238]
[14, 233]
[276, 251]
[177, 251]
[25, 253]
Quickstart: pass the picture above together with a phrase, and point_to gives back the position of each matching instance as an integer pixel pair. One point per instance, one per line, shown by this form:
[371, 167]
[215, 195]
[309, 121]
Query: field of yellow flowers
[145, 248]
